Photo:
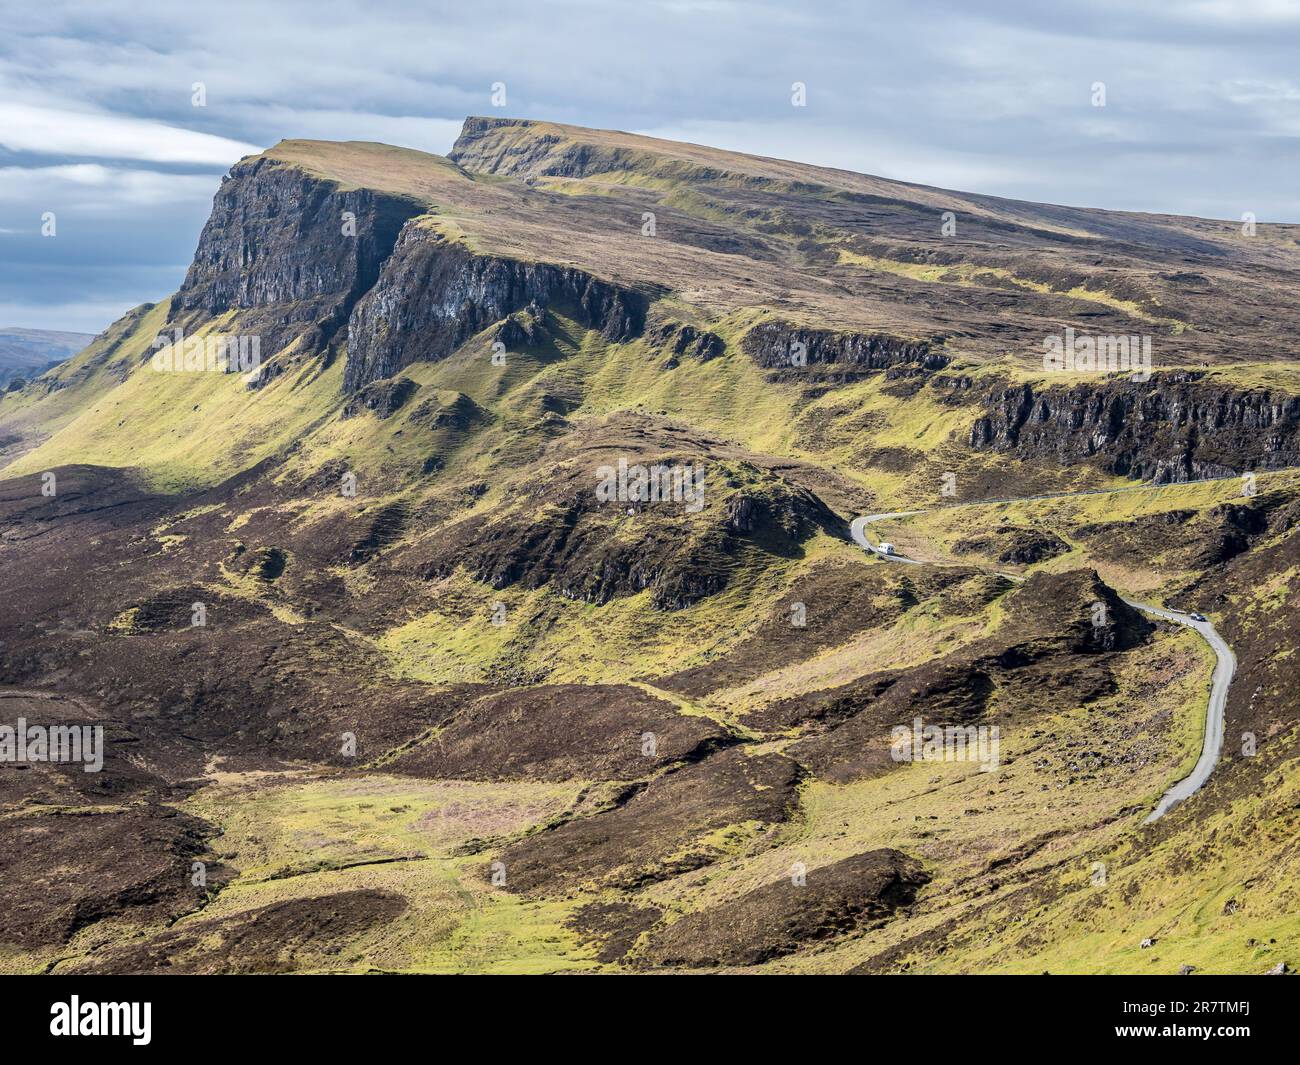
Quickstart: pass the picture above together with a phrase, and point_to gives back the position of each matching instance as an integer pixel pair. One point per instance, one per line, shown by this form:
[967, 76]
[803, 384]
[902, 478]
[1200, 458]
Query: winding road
[1224, 667]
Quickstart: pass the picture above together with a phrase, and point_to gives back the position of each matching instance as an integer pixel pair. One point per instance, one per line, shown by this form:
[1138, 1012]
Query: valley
[400, 670]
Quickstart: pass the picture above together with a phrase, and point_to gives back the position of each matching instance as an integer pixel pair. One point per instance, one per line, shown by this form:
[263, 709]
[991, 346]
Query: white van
[886, 548]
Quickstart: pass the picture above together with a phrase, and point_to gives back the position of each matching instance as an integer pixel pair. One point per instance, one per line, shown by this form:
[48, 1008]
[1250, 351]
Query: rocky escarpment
[512, 146]
[1176, 427]
[434, 294]
[779, 345]
[583, 549]
[686, 341]
[385, 398]
[294, 249]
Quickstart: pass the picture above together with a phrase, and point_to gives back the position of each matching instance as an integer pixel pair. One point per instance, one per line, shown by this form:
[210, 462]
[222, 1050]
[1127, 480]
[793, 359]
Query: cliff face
[303, 256]
[773, 344]
[280, 243]
[1177, 427]
[432, 295]
[304, 253]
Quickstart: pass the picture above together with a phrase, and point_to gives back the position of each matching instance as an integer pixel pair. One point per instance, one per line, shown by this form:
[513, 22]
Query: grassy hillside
[447, 709]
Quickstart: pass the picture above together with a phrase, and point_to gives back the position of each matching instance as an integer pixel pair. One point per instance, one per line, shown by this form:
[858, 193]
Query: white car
[1198, 617]
[886, 549]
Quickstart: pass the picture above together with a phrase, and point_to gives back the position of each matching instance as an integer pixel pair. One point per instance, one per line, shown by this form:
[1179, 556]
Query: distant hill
[28, 353]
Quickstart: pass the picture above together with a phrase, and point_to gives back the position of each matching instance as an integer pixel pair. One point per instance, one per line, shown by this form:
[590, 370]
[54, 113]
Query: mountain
[460, 565]
[27, 353]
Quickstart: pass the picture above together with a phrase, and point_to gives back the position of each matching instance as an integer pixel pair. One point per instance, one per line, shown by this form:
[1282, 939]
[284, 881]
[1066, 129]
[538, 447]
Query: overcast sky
[97, 124]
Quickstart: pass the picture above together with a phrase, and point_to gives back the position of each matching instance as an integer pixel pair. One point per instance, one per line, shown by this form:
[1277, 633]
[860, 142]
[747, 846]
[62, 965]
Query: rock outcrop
[433, 294]
[486, 145]
[294, 249]
[385, 397]
[779, 345]
[1176, 427]
[574, 546]
[686, 340]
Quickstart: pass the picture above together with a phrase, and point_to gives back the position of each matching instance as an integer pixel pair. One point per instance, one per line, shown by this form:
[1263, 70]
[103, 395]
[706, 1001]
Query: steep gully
[1225, 661]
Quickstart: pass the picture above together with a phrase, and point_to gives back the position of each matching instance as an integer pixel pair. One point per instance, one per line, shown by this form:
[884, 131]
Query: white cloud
[61, 131]
[93, 187]
[1268, 13]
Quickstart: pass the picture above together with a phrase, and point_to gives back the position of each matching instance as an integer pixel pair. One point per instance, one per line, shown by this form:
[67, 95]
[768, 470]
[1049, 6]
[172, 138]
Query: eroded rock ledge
[772, 345]
[1176, 427]
[434, 294]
